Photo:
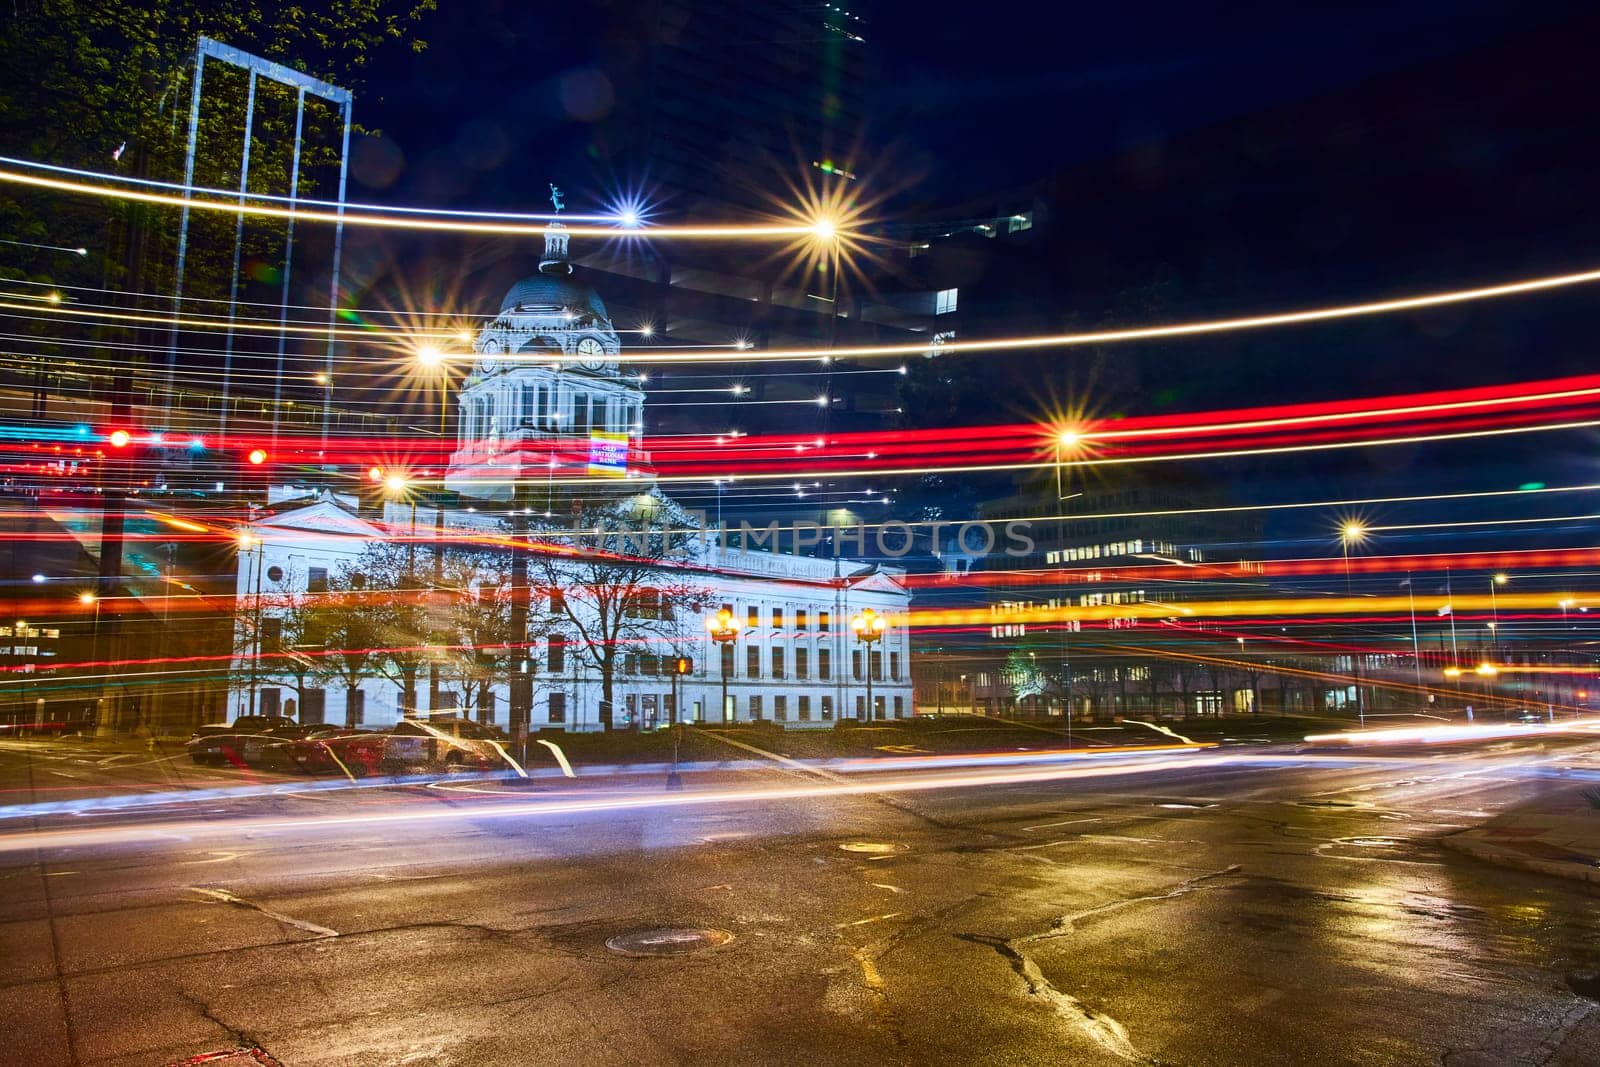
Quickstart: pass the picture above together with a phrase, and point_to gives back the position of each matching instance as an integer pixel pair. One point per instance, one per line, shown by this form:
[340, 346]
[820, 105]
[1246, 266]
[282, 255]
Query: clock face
[591, 354]
[487, 363]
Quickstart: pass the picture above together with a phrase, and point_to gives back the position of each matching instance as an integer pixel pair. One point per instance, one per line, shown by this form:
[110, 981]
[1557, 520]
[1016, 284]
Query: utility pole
[520, 695]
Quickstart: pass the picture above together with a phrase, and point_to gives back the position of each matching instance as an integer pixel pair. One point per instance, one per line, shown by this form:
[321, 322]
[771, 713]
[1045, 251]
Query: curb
[1487, 853]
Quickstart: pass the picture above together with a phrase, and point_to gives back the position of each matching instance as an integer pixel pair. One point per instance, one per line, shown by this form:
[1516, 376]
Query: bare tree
[400, 618]
[618, 578]
[477, 645]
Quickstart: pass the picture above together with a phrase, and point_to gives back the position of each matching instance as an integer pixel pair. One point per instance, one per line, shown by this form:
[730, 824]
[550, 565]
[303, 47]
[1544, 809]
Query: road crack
[1099, 1027]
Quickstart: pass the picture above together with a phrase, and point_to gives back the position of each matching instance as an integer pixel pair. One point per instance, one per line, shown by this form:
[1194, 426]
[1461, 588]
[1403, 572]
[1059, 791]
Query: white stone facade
[795, 660]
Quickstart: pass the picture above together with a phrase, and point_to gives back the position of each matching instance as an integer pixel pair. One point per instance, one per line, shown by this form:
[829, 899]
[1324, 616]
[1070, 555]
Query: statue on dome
[556, 198]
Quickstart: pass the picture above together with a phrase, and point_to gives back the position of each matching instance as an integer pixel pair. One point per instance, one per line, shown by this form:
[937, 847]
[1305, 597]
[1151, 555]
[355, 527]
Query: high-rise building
[718, 101]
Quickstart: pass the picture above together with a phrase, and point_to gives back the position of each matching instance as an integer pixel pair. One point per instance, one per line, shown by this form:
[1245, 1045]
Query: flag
[1405, 584]
[1445, 610]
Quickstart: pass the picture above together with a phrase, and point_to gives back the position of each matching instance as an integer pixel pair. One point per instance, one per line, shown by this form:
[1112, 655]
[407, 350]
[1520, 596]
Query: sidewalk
[1559, 836]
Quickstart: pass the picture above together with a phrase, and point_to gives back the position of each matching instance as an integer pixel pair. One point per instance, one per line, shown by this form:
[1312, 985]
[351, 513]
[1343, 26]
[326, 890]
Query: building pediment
[324, 516]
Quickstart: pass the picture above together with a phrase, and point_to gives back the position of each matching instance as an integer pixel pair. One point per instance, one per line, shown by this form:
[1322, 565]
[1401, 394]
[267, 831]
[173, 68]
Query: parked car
[222, 742]
[1527, 715]
[272, 748]
[338, 750]
[444, 742]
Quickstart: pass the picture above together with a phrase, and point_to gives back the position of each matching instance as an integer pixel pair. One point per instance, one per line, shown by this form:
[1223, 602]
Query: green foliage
[105, 85]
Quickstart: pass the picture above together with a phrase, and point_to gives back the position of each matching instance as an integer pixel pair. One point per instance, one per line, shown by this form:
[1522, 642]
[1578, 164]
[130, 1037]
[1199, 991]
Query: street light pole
[724, 630]
[869, 626]
[1353, 531]
[247, 541]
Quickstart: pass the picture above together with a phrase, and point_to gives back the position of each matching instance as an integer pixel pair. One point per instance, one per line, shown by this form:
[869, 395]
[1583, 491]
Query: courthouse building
[526, 427]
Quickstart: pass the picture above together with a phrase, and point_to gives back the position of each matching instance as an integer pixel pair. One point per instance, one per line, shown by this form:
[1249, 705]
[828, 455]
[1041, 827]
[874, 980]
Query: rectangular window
[802, 665]
[824, 664]
[557, 708]
[802, 619]
[557, 657]
[313, 706]
[777, 618]
[780, 708]
[803, 709]
[355, 706]
[825, 621]
[827, 708]
[894, 666]
[944, 301]
[270, 703]
[777, 661]
[876, 665]
[752, 661]
[271, 635]
[899, 707]
[755, 707]
[317, 580]
[752, 617]
[558, 602]
[861, 707]
[855, 663]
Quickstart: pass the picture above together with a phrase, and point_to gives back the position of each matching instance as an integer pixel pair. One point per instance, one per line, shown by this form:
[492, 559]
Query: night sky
[1265, 158]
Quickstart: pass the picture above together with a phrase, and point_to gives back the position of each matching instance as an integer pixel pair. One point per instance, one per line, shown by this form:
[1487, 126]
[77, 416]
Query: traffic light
[683, 665]
[257, 456]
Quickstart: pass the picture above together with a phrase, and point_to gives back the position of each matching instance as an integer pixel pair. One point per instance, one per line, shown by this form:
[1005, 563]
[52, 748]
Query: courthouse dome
[554, 293]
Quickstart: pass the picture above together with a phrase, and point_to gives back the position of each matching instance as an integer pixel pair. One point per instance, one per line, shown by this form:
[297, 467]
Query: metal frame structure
[257, 67]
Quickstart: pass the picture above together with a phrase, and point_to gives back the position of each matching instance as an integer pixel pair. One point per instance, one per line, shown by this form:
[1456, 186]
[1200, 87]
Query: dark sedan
[225, 742]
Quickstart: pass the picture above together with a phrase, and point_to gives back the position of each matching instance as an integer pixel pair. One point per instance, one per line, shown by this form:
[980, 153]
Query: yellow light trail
[1196, 610]
[1143, 333]
[504, 229]
[362, 332]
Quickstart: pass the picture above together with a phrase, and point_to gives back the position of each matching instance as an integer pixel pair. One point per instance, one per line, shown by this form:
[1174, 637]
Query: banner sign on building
[608, 454]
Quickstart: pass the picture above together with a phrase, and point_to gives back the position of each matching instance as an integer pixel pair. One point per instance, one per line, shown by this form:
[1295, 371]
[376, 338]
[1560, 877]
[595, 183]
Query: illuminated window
[944, 301]
[1019, 222]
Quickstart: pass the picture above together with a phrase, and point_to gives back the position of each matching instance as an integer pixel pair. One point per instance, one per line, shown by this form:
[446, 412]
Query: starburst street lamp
[869, 627]
[1353, 532]
[724, 630]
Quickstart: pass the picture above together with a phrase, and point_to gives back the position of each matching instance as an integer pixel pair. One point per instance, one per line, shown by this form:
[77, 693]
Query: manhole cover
[673, 941]
[872, 848]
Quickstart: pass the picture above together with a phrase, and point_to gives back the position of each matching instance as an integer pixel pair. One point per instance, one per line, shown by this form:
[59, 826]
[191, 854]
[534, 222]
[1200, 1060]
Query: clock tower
[545, 399]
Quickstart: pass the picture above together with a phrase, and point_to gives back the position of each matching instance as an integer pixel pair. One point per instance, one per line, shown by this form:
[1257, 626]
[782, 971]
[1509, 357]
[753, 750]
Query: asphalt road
[1244, 906]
